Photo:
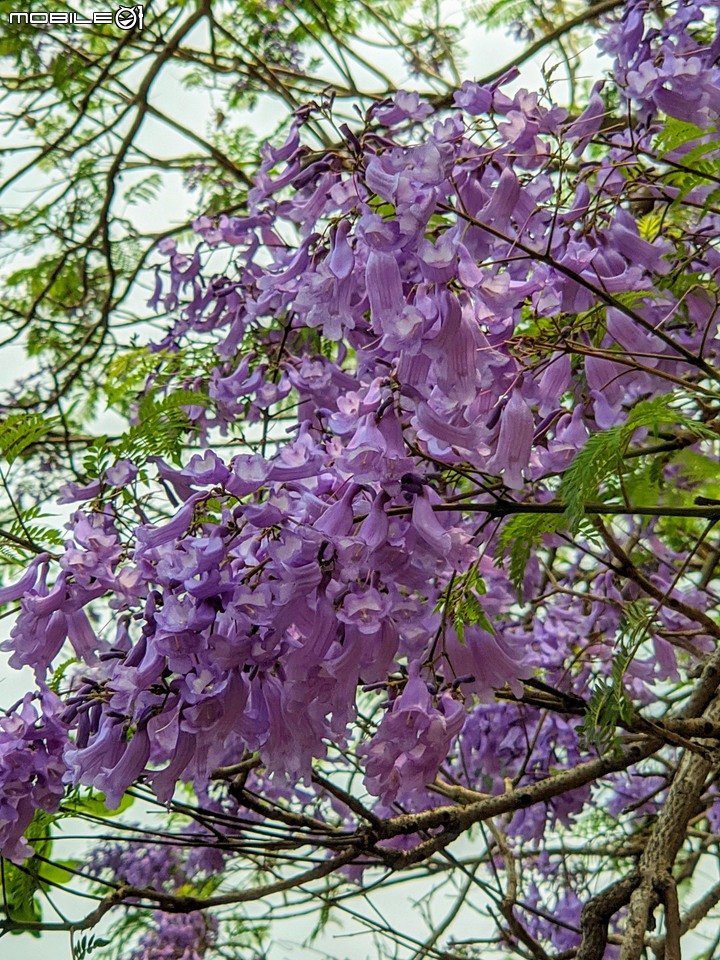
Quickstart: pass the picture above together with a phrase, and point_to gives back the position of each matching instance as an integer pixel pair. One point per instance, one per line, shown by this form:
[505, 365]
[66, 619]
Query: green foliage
[58, 674]
[92, 803]
[461, 605]
[137, 369]
[31, 525]
[520, 535]
[540, 331]
[145, 190]
[21, 431]
[85, 945]
[610, 705]
[21, 884]
[127, 372]
[650, 225]
[498, 13]
[523, 533]
[494, 14]
[97, 458]
[701, 471]
[695, 152]
[325, 915]
[19, 889]
[677, 133]
[163, 423]
[603, 453]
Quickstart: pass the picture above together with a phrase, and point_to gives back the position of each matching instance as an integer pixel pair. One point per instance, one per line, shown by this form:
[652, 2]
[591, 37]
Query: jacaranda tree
[406, 563]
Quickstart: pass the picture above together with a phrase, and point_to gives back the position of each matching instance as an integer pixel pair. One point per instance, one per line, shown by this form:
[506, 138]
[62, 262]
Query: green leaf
[603, 453]
[519, 537]
[20, 431]
[58, 674]
[610, 704]
[461, 605]
[145, 190]
[58, 872]
[676, 133]
[86, 944]
[20, 888]
[22, 883]
[162, 424]
[94, 805]
[97, 458]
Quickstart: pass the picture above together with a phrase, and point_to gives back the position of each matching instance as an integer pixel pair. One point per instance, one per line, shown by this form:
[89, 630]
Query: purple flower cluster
[158, 865]
[186, 936]
[670, 67]
[441, 321]
[412, 741]
[32, 740]
[171, 868]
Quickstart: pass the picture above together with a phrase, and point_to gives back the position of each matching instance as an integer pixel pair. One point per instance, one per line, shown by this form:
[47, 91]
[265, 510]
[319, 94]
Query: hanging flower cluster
[442, 311]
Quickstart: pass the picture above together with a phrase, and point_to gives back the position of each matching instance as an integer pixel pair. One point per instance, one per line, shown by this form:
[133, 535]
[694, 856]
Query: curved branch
[605, 6]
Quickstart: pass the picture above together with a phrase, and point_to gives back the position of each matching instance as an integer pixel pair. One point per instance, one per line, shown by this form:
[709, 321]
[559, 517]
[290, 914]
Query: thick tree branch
[667, 837]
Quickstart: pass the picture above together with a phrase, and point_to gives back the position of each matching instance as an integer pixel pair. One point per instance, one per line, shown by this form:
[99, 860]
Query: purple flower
[32, 739]
[114, 781]
[411, 743]
[405, 105]
[152, 536]
[425, 522]
[74, 492]
[337, 519]
[365, 610]
[341, 261]
[554, 382]
[121, 473]
[17, 590]
[384, 288]
[514, 442]
[590, 120]
[473, 98]
[189, 936]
